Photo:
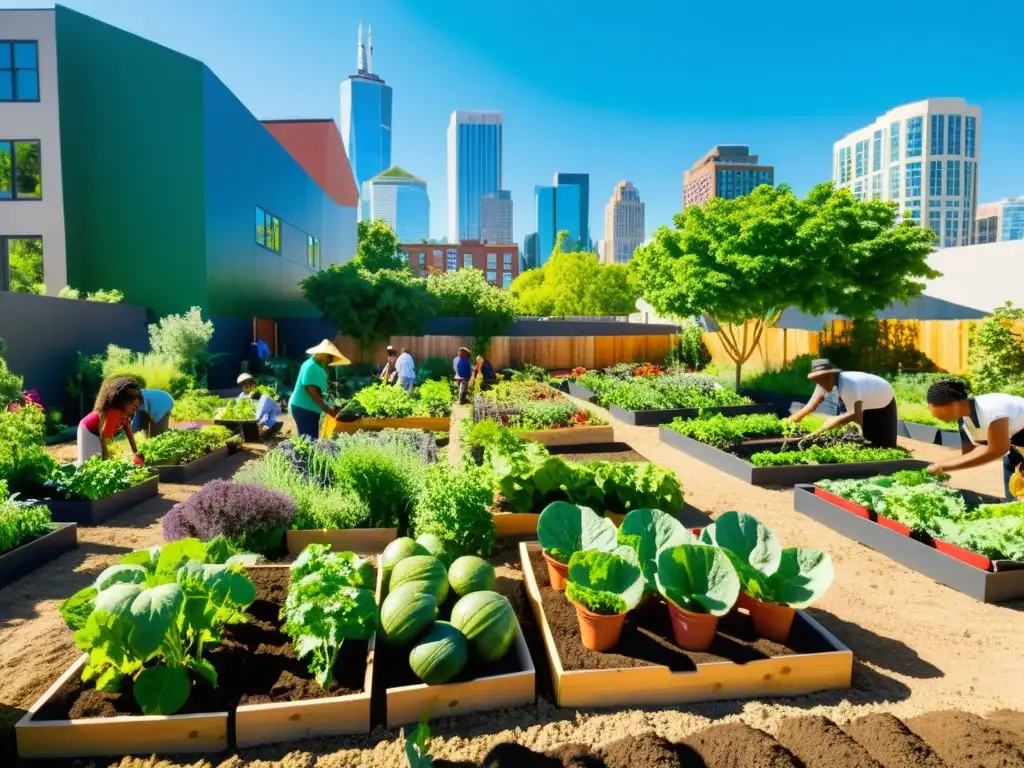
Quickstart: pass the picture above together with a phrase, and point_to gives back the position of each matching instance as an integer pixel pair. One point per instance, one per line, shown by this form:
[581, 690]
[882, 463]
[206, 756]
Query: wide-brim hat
[326, 347]
[821, 366]
[243, 377]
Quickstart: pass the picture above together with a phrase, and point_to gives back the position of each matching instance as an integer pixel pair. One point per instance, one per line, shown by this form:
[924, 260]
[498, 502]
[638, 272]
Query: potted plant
[775, 581]
[564, 529]
[700, 584]
[603, 587]
[647, 532]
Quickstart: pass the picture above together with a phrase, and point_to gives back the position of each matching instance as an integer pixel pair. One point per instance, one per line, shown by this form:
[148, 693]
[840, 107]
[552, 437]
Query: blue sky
[618, 90]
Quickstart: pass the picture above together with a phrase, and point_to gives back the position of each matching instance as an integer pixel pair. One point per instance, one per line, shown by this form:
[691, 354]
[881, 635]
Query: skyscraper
[581, 180]
[1003, 220]
[925, 156]
[562, 206]
[366, 120]
[401, 200]
[623, 224]
[727, 170]
[530, 252]
[474, 169]
[496, 217]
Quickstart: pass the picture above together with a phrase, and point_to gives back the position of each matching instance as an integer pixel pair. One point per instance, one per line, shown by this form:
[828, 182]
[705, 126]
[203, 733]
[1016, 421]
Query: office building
[474, 169]
[726, 170]
[560, 207]
[925, 156]
[996, 222]
[496, 217]
[581, 180]
[401, 200]
[623, 224]
[498, 262]
[366, 119]
[530, 258]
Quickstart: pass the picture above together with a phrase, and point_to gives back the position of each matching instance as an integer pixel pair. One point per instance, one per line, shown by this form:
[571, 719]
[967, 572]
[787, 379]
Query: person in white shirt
[406, 370]
[991, 428]
[868, 400]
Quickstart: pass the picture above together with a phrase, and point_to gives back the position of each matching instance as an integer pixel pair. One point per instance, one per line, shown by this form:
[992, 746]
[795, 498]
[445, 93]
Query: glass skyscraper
[401, 200]
[582, 213]
[366, 121]
[563, 206]
[474, 169]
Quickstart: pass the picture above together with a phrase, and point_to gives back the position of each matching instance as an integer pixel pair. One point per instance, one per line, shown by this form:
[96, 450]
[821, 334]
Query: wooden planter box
[428, 423]
[249, 429]
[511, 524]
[362, 541]
[579, 392]
[115, 736]
[182, 473]
[664, 416]
[572, 435]
[22, 560]
[780, 476]
[95, 512]
[1005, 582]
[793, 675]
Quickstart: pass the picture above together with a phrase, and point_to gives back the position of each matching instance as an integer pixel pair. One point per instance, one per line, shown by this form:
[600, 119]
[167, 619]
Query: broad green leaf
[154, 612]
[698, 577]
[804, 575]
[76, 609]
[227, 586]
[750, 543]
[615, 574]
[245, 559]
[116, 600]
[109, 680]
[648, 531]
[121, 574]
[147, 558]
[564, 528]
[219, 550]
[176, 553]
[204, 669]
[162, 690]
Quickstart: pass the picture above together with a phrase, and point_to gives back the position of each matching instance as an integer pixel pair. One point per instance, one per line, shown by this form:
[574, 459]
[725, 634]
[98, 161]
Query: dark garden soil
[964, 740]
[819, 743]
[255, 664]
[597, 452]
[891, 743]
[648, 749]
[737, 744]
[647, 636]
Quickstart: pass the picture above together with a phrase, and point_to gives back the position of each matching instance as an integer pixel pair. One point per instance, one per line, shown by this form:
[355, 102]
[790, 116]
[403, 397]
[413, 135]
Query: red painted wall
[316, 145]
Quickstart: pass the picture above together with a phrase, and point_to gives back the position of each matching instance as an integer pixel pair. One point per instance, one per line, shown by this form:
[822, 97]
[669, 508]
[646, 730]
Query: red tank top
[115, 421]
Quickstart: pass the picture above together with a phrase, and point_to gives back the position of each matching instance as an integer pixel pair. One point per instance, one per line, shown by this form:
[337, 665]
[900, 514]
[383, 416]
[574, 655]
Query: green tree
[370, 306]
[185, 340]
[25, 259]
[466, 293]
[378, 247]
[996, 353]
[744, 261]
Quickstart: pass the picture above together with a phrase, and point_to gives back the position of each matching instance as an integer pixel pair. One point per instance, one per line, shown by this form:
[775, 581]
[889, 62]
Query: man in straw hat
[869, 401]
[307, 402]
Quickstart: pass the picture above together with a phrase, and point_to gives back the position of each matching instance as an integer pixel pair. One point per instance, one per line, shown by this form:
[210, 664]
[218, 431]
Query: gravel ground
[919, 646]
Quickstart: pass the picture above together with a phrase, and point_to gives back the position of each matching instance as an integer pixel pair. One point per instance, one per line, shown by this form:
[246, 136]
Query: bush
[24, 465]
[252, 518]
[434, 368]
[436, 397]
[996, 354]
[385, 477]
[790, 379]
[197, 406]
[184, 339]
[102, 296]
[454, 505]
[11, 385]
[690, 350]
[152, 371]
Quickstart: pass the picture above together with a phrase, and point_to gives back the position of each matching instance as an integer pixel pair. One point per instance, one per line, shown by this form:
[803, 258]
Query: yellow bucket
[1017, 479]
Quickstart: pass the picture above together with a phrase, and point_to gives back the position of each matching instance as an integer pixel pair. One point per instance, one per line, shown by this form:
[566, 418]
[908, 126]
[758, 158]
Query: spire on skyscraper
[369, 52]
[361, 56]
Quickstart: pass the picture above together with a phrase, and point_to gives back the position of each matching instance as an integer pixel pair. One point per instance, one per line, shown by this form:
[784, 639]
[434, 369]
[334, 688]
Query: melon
[406, 612]
[471, 574]
[440, 655]
[425, 568]
[396, 551]
[488, 622]
[435, 547]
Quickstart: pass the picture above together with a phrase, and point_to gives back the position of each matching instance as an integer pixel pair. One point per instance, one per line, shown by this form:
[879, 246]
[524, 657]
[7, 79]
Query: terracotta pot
[744, 601]
[692, 631]
[557, 573]
[599, 632]
[771, 622]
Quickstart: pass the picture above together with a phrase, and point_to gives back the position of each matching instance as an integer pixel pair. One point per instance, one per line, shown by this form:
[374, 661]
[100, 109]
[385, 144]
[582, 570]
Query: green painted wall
[131, 121]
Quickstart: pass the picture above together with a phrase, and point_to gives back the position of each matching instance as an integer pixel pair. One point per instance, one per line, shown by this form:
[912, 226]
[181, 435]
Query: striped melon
[488, 622]
[440, 655]
[425, 568]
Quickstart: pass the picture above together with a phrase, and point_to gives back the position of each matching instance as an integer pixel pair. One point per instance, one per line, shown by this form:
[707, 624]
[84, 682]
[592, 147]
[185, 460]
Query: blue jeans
[1010, 463]
[307, 423]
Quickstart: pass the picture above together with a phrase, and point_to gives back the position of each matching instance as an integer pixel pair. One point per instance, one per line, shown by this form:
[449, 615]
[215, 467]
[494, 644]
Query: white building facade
[925, 156]
[623, 224]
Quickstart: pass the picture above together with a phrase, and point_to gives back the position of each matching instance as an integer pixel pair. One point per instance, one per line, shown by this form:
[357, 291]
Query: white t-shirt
[405, 367]
[872, 391]
[989, 408]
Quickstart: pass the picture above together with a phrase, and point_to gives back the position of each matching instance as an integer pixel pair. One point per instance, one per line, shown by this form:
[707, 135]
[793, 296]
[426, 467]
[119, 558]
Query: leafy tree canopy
[377, 247]
[466, 293]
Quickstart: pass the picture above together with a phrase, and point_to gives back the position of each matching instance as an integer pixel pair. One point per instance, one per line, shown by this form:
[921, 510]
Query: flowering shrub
[577, 372]
[251, 517]
[648, 370]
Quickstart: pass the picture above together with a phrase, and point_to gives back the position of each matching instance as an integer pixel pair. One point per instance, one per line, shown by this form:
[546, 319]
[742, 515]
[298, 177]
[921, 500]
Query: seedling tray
[362, 541]
[944, 563]
[780, 476]
[182, 473]
[664, 416]
[793, 674]
[572, 435]
[925, 433]
[96, 512]
[22, 560]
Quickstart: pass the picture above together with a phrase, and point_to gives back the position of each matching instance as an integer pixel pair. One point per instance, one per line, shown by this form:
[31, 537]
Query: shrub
[20, 522]
[112, 296]
[197, 406]
[250, 517]
[454, 505]
[790, 379]
[436, 397]
[434, 368]
[385, 477]
[23, 462]
[11, 384]
[185, 339]
[996, 355]
[690, 350]
[381, 401]
[150, 370]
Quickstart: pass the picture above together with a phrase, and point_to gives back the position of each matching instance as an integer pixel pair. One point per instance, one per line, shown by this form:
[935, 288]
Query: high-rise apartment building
[498, 262]
[1003, 220]
[925, 156]
[474, 169]
[366, 120]
[496, 217]
[562, 206]
[623, 224]
[726, 170]
[401, 200]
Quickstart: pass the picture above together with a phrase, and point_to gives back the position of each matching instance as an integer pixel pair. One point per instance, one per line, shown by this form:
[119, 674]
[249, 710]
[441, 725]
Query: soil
[964, 740]
[647, 636]
[598, 452]
[648, 749]
[737, 744]
[1008, 720]
[891, 743]
[819, 743]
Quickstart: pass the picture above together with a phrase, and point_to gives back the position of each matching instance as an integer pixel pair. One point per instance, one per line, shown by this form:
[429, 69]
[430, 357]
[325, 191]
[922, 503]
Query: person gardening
[991, 428]
[405, 369]
[389, 373]
[116, 403]
[153, 416]
[307, 402]
[484, 371]
[463, 373]
[248, 384]
[868, 400]
[267, 409]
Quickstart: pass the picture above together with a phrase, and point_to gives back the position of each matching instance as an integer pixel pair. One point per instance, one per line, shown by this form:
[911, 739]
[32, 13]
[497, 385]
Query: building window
[268, 230]
[491, 276]
[312, 252]
[968, 182]
[506, 280]
[952, 178]
[952, 228]
[452, 259]
[21, 175]
[935, 222]
[862, 158]
[507, 260]
[492, 261]
[913, 180]
[894, 142]
[844, 165]
[21, 264]
[894, 182]
[914, 131]
[876, 151]
[876, 187]
[935, 178]
[19, 71]
[467, 260]
[970, 131]
[936, 144]
[422, 259]
[858, 190]
[955, 122]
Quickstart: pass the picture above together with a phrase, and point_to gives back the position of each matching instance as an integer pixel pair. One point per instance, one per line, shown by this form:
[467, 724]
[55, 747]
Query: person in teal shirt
[307, 402]
[153, 415]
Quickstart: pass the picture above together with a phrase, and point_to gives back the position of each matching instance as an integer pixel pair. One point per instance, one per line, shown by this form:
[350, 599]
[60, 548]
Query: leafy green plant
[20, 522]
[837, 454]
[24, 463]
[996, 354]
[789, 379]
[698, 578]
[180, 446]
[185, 339]
[198, 406]
[648, 393]
[96, 479]
[729, 431]
[454, 505]
[417, 747]
[647, 532]
[11, 385]
[238, 410]
[564, 529]
[150, 370]
[435, 397]
[606, 583]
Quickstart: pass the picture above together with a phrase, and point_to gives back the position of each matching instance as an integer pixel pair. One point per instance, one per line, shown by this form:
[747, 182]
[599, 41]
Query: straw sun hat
[325, 347]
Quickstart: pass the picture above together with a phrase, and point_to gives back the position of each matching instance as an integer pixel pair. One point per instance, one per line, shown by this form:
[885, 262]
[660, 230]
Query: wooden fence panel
[776, 347]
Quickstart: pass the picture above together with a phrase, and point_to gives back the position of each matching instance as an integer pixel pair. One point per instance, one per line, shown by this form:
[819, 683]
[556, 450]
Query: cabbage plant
[608, 583]
[647, 532]
[698, 577]
[564, 529]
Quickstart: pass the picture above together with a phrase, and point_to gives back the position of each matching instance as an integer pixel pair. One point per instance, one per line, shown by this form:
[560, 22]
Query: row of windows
[21, 173]
[19, 71]
[945, 135]
[268, 234]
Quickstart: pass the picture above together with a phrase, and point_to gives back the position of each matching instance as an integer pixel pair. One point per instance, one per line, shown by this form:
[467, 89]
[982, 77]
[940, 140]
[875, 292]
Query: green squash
[471, 574]
[425, 568]
[440, 655]
[488, 621]
[406, 612]
[396, 551]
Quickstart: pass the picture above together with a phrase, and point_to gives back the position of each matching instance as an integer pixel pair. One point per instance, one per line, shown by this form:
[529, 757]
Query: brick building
[499, 263]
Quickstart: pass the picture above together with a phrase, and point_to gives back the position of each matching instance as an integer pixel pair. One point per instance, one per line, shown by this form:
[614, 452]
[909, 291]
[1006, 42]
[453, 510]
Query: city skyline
[474, 168]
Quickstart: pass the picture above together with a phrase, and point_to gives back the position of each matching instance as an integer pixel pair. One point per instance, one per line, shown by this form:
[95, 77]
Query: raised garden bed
[967, 572]
[778, 476]
[362, 541]
[95, 512]
[604, 433]
[926, 433]
[249, 430]
[182, 473]
[648, 669]
[269, 692]
[580, 393]
[665, 415]
[32, 554]
[428, 423]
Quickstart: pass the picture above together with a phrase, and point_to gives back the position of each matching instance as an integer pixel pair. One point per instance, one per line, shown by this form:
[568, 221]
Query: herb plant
[238, 410]
[20, 521]
[96, 479]
[180, 446]
[454, 505]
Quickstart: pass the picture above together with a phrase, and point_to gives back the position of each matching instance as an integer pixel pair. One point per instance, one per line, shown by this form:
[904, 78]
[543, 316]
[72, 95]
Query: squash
[488, 621]
[441, 655]
[471, 574]
[396, 551]
[406, 612]
[425, 568]
[436, 547]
